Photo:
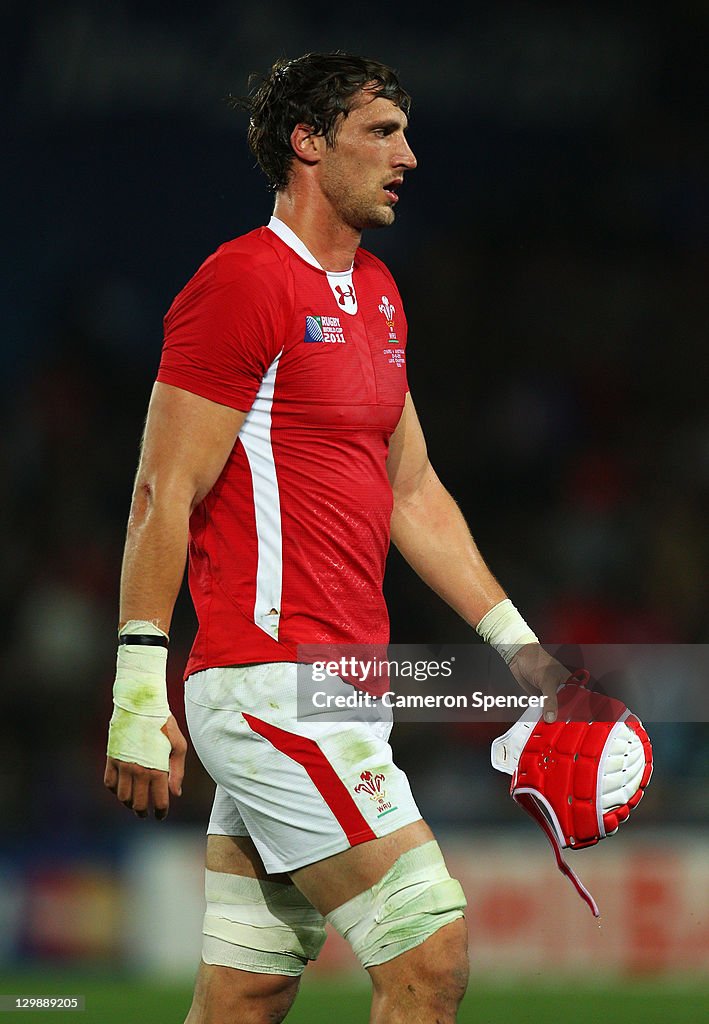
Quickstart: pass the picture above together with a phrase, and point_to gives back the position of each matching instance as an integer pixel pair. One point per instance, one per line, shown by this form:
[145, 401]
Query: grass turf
[124, 1001]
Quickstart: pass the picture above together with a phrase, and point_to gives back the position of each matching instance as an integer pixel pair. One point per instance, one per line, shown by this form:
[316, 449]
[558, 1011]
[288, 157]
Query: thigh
[229, 847]
[333, 881]
[237, 855]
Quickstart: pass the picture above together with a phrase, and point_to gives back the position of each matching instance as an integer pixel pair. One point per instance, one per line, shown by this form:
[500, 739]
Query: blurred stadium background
[552, 250]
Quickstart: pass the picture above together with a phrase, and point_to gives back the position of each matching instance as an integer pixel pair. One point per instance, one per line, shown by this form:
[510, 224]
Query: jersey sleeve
[222, 332]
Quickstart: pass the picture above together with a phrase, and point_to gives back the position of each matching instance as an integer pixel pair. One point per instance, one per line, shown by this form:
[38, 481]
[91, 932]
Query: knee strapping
[259, 926]
[413, 900]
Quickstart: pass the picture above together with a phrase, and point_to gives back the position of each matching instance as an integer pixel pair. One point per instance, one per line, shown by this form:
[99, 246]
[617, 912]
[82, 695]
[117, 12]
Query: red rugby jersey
[290, 545]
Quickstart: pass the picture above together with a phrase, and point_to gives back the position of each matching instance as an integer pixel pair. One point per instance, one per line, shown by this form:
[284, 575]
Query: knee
[431, 978]
[270, 1004]
[223, 995]
[414, 900]
[438, 969]
[258, 937]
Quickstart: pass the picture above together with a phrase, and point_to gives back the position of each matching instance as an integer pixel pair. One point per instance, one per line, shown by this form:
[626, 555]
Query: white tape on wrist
[505, 630]
[140, 701]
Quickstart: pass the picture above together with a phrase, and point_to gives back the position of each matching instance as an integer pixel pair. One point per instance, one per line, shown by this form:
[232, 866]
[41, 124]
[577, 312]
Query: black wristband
[144, 639]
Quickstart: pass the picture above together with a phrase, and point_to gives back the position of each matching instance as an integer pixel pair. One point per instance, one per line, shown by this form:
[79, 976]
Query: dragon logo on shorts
[372, 785]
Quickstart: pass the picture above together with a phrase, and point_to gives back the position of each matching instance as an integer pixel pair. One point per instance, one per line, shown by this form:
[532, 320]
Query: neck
[332, 243]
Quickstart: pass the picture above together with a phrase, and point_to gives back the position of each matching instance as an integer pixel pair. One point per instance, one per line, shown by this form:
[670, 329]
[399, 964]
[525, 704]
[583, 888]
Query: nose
[406, 156]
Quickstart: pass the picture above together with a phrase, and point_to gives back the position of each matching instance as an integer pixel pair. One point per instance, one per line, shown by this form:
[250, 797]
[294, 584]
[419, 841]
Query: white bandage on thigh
[413, 900]
[259, 926]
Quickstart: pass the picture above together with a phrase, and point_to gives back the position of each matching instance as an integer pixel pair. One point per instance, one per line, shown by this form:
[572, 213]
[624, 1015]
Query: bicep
[186, 444]
[407, 462]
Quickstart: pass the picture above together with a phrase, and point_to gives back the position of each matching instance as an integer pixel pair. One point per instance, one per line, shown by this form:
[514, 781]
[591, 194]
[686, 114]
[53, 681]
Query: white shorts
[301, 789]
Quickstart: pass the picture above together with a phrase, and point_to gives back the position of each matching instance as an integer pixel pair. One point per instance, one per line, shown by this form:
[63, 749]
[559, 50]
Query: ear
[307, 146]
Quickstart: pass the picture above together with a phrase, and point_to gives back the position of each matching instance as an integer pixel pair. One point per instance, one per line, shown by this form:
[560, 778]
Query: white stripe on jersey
[255, 435]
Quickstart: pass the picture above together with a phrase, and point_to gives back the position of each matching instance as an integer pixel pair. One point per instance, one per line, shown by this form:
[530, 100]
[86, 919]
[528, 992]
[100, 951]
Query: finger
[110, 775]
[177, 773]
[124, 790]
[551, 704]
[141, 792]
[160, 795]
[177, 756]
[557, 678]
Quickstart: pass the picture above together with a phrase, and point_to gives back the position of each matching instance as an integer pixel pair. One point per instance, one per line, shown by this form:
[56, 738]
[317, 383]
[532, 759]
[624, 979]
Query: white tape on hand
[140, 701]
[504, 629]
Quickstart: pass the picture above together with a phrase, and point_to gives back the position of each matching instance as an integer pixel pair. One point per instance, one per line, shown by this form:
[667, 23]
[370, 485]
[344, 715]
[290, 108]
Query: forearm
[186, 444]
[430, 531]
[154, 556]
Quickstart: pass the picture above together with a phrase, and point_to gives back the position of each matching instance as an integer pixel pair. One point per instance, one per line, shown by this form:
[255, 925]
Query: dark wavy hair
[317, 89]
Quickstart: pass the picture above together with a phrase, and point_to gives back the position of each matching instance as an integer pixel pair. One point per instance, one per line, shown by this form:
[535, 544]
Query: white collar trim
[287, 235]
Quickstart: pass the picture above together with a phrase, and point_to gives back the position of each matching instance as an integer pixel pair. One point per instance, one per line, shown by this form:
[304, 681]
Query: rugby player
[282, 448]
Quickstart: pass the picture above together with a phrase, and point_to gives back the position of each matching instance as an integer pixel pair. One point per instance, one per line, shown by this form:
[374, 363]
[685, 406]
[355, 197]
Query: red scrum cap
[578, 777]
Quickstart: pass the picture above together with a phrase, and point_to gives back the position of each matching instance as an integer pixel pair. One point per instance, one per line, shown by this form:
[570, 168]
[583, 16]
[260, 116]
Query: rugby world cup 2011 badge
[325, 329]
[373, 786]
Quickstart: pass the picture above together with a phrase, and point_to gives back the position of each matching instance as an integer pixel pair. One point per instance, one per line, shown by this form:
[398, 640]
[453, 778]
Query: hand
[537, 672]
[137, 787]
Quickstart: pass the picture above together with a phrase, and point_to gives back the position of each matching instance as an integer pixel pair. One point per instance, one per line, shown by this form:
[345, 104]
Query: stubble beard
[357, 210]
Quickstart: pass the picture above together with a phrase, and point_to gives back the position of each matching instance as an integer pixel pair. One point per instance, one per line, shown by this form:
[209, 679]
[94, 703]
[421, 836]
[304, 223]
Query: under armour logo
[345, 295]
